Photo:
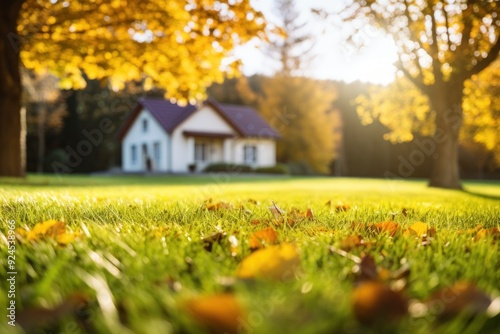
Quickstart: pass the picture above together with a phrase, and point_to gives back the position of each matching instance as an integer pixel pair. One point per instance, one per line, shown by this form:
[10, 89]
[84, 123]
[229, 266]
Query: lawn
[162, 254]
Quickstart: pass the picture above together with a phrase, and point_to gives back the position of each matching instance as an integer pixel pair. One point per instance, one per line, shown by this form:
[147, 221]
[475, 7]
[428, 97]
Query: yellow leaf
[219, 313]
[48, 229]
[66, 238]
[419, 228]
[278, 262]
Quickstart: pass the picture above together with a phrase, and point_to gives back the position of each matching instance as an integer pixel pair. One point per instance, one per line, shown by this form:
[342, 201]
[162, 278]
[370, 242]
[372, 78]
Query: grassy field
[139, 263]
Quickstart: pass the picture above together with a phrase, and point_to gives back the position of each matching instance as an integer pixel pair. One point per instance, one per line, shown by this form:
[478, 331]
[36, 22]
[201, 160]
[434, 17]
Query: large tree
[406, 113]
[441, 44]
[178, 45]
[301, 109]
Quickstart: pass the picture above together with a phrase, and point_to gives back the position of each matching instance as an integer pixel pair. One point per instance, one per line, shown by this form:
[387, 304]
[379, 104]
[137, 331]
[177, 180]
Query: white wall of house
[204, 120]
[265, 151]
[154, 137]
[180, 149]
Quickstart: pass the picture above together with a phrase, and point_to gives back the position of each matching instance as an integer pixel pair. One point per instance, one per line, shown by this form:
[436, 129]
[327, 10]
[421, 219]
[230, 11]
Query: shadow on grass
[486, 196]
[85, 181]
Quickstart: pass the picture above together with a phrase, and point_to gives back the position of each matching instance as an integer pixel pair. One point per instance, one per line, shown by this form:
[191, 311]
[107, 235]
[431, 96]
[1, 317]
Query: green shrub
[278, 169]
[301, 168]
[228, 168]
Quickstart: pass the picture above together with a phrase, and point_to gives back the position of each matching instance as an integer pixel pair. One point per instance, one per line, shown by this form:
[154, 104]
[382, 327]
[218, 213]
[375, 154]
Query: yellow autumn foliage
[177, 45]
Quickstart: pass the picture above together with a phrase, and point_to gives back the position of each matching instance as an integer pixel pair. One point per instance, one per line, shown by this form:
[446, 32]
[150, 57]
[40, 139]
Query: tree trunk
[12, 120]
[42, 115]
[447, 103]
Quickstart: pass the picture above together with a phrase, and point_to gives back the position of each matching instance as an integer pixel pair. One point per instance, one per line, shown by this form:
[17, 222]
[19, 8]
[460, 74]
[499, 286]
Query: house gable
[144, 135]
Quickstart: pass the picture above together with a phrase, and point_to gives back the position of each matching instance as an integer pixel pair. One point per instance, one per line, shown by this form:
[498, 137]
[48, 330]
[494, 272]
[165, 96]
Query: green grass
[122, 257]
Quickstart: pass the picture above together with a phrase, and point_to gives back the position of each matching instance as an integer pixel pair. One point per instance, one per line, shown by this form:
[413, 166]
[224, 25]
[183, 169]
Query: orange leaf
[493, 232]
[218, 313]
[351, 242]
[388, 227]
[374, 302]
[263, 238]
[341, 207]
[217, 206]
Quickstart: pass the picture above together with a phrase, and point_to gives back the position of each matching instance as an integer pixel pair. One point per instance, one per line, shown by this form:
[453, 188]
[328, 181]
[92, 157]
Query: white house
[164, 137]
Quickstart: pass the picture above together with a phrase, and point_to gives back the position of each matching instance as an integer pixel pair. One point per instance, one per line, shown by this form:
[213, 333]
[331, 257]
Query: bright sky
[335, 58]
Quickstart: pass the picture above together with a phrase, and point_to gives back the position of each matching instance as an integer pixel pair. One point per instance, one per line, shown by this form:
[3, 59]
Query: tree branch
[436, 64]
[485, 62]
[420, 84]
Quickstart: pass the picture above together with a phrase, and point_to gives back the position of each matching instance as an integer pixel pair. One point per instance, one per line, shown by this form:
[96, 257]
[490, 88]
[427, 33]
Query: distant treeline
[360, 151]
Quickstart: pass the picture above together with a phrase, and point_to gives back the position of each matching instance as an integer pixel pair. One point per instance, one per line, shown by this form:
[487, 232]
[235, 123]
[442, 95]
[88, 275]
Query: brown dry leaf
[353, 241]
[263, 238]
[460, 297]
[36, 318]
[218, 313]
[296, 216]
[276, 211]
[279, 262]
[52, 229]
[255, 222]
[209, 241]
[388, 227]
[373, 302]
[493, 232]
[251, 200]
[341, 207]
[217, 206]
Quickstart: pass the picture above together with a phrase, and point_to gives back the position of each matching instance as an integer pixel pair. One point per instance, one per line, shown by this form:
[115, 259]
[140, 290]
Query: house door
[147, 163]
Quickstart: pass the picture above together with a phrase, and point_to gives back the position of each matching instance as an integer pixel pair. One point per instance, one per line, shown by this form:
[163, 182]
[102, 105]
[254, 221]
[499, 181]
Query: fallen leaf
[263, 238]
[341, 207]
[279, 262]
[462, 297]
[250, 200]
[388, 227]
[276, 211]
[52, 229]
[218, 313]
[37, 318]
[493, 232]
[373, 302]
[353, 241]
[217, 206]
[209, 241]
[419, 228]
[255, 222]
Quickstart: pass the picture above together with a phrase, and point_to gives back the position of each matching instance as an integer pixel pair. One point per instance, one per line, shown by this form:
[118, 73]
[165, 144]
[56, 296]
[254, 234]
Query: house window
[133, 153]
[250, 154]
[144, 125]
[200, 152]
[157, 152]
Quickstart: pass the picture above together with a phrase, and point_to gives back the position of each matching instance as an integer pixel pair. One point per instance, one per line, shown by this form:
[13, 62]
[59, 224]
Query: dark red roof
[245, 120]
